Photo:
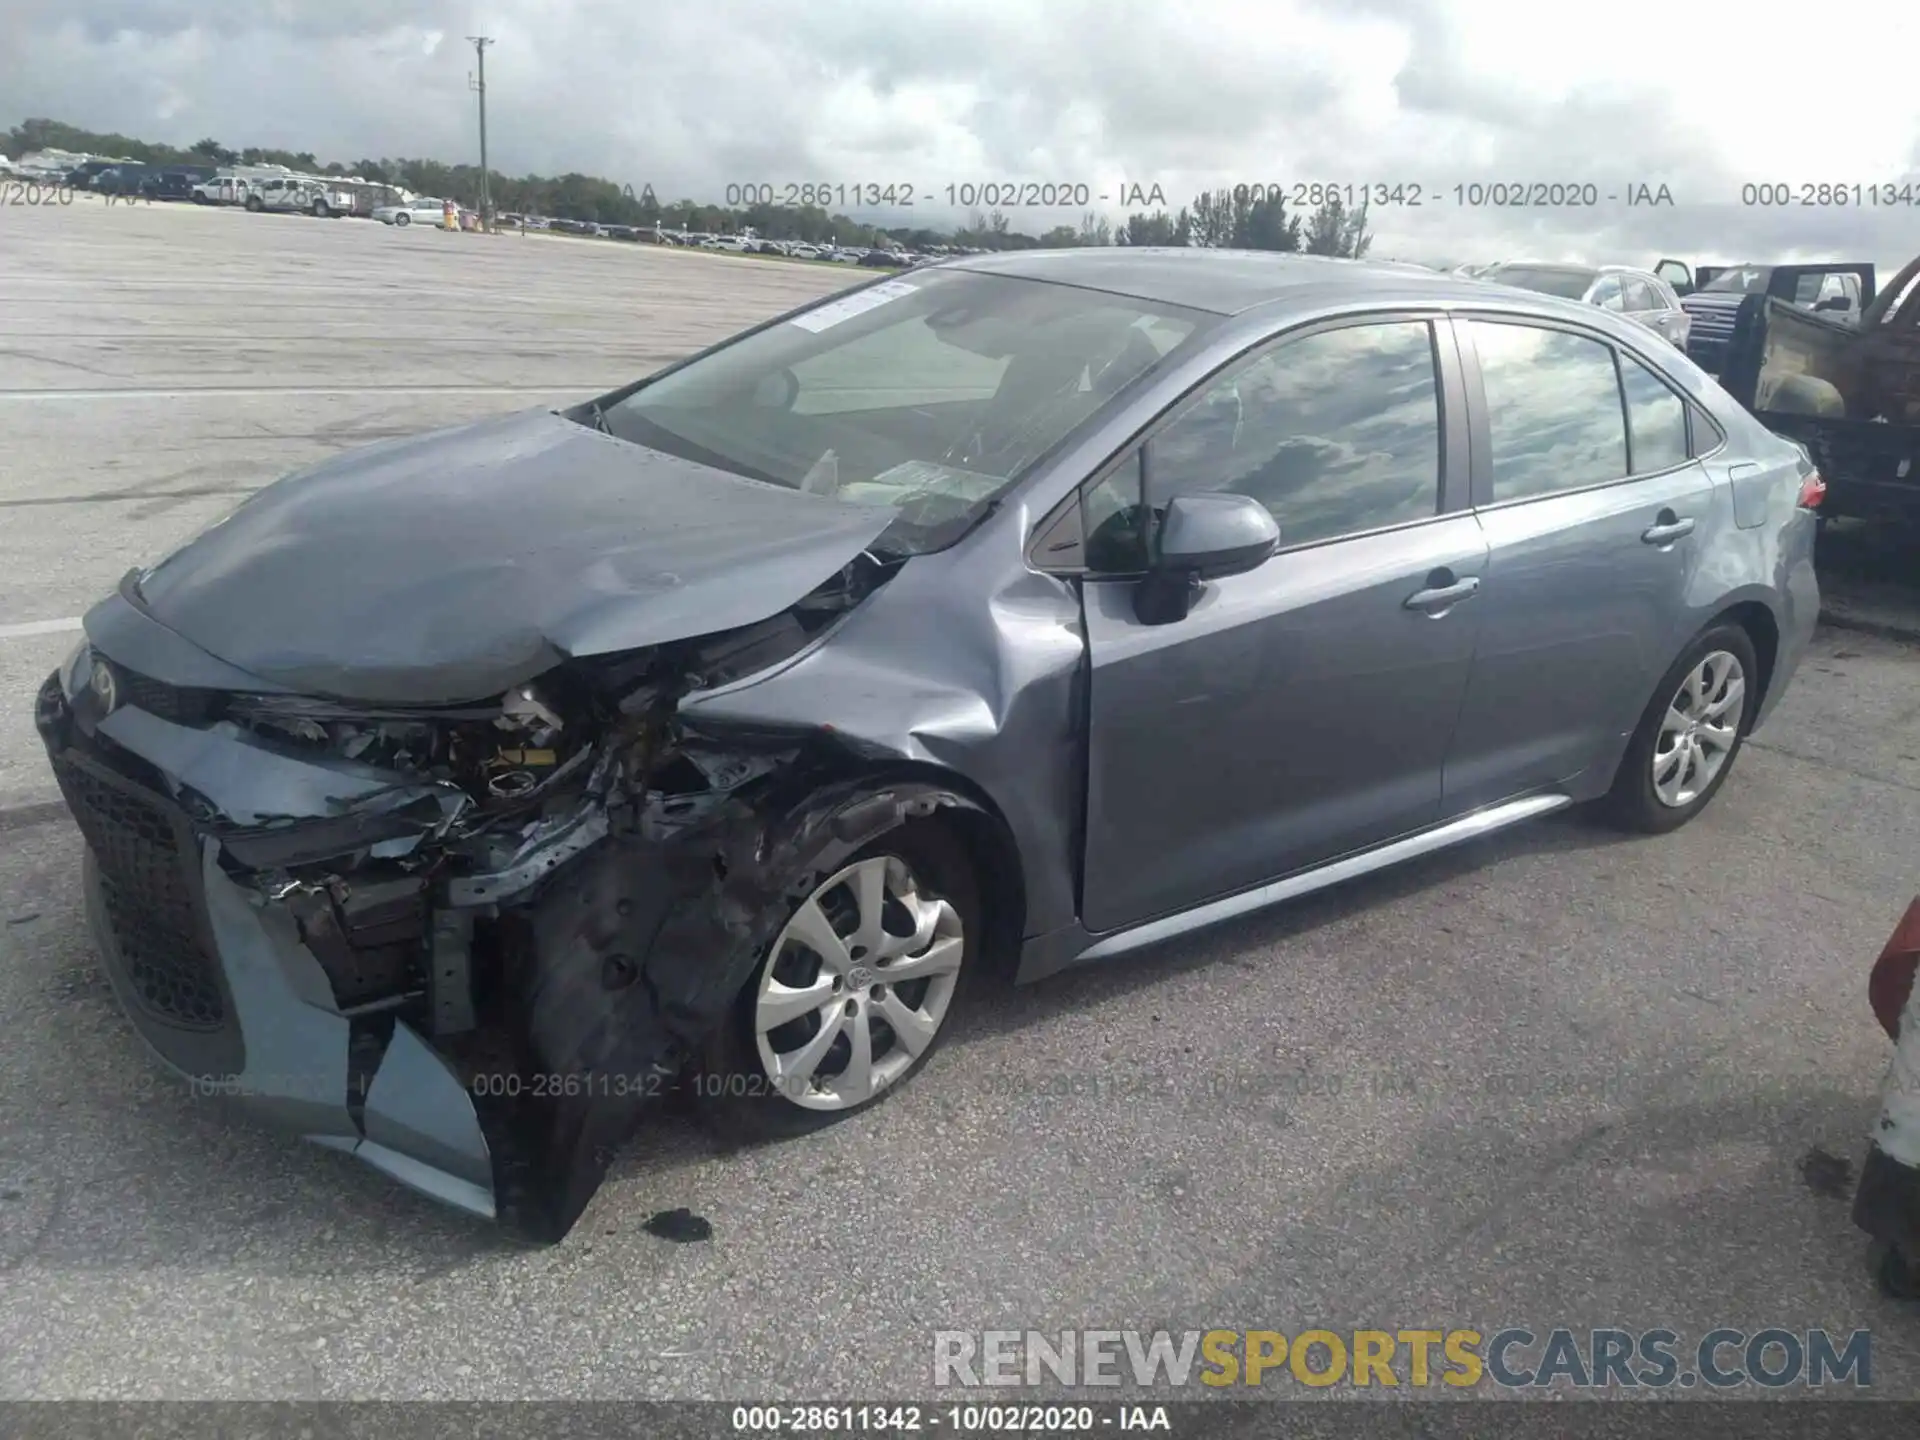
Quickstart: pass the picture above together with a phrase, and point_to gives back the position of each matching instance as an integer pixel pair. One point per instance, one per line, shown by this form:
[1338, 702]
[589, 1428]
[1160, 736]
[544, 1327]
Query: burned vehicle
[451, 802]
[1848, 391]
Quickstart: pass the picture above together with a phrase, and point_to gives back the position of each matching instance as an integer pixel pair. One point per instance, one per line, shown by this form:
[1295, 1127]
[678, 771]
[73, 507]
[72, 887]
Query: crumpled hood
[453, 565]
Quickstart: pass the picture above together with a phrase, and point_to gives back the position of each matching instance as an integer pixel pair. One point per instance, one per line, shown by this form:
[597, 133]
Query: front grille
[1716, 324]
[144, 858]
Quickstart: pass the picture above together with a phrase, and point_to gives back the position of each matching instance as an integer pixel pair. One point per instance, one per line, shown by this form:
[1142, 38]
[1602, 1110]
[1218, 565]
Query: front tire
[852, 997]
[256, 204]
[1685, 745]
[403, 218]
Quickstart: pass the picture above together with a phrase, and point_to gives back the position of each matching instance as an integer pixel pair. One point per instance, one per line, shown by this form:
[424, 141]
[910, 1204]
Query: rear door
[1648, 307]
[1302, 710]
[1594, 509]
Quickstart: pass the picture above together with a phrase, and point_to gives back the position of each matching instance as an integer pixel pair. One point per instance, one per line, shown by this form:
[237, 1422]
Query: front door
[1676, 274]
[1303, 710]
[1594, 508]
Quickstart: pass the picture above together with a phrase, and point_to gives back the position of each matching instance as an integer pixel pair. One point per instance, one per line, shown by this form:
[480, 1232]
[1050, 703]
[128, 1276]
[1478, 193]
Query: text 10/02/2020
[1305, 195]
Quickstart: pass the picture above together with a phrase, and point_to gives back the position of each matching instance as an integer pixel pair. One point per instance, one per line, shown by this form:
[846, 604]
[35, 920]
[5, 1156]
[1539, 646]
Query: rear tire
[403, 218]
[930, 890]
[1689, 735]
[256, 204]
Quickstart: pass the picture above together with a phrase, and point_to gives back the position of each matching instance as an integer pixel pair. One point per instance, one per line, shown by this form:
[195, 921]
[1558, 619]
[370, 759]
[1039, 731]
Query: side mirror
[1203, 537]
[1834, 302]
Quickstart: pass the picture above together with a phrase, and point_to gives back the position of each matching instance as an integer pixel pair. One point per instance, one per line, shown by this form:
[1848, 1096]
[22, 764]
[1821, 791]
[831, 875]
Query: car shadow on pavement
[999, 1007]
[127, 1167]
[1680, 1198]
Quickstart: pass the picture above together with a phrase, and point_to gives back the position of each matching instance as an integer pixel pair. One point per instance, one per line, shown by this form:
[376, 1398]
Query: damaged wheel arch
[640, 948]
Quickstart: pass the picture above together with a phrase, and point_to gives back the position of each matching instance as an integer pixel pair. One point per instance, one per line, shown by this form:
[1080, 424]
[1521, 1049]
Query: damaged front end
[465, 943]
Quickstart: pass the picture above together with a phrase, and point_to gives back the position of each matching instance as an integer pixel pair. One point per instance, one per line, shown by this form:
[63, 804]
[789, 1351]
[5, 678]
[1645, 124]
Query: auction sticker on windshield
[831, 314]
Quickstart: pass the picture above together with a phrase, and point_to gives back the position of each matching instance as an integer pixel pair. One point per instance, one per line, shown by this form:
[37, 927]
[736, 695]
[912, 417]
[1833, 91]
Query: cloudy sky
[689, 95]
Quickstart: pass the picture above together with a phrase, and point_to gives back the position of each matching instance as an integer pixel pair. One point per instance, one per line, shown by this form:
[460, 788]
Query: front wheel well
[1764, 631]
[990, 849]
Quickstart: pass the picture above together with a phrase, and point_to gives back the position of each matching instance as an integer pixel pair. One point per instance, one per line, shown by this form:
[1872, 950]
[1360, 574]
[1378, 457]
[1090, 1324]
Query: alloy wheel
[1699, 730]
[856, 986]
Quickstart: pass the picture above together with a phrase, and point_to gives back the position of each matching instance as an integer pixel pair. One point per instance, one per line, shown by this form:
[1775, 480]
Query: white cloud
[1183, 93]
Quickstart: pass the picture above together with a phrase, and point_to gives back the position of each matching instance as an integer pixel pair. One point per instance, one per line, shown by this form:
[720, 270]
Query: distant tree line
[1219, 218]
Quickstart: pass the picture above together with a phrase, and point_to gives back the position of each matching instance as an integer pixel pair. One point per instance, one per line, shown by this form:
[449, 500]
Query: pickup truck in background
[220, 190]
[292, 194]
[1849, 391]
[1712, 295]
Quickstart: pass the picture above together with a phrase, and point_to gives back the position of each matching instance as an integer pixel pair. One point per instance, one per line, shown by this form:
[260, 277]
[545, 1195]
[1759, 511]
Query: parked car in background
[221, 190]
[421, 210]
[1840, 290]
[1007, 575]
[174, 182]
[122, 180]
[82, 176]
[293, 195]
[1640, 295]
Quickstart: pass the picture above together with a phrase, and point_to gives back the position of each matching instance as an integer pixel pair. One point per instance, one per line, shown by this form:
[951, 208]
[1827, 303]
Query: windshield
[1740, 280]
[931, 395]
[1547, 279]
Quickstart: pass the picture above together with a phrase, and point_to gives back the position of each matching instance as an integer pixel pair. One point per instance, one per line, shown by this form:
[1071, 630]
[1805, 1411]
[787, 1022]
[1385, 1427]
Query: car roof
[1553, 267]
[1224, 282]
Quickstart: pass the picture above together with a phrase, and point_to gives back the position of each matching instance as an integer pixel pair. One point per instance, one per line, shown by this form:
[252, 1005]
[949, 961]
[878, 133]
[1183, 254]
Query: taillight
[1891, 983]
[1813, 490]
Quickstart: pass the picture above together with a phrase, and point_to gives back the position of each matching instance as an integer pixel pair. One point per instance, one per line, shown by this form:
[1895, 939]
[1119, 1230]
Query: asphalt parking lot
[1556, 1078]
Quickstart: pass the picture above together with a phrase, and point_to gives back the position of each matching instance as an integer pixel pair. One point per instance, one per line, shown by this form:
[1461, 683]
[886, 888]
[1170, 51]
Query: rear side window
[1608, 295]
[1656, 419]
[1641, 296]
[1554, 410]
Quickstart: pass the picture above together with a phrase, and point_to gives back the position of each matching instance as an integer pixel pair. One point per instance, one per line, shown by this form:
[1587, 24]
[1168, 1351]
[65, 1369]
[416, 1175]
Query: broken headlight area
[553, 888]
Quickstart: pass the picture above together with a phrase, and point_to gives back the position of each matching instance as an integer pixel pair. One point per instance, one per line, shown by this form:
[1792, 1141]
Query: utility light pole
[480, 44]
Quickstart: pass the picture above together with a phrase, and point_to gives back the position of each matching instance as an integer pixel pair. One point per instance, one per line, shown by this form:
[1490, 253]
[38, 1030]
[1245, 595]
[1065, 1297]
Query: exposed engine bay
[560, 890]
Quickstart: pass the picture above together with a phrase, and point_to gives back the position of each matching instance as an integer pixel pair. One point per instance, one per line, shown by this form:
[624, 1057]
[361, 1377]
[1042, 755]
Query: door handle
[1666, 531]
[1444, 597]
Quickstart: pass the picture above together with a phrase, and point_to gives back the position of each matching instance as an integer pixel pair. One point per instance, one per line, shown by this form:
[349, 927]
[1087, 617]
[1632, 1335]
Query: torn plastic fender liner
[640, 950]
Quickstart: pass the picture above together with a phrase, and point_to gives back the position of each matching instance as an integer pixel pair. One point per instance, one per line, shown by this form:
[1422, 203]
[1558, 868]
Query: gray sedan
[1640, 295]
[452, 801]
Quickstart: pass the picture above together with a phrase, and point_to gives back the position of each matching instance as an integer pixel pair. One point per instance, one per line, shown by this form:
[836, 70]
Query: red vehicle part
[1887, 1203]
[1891, 983]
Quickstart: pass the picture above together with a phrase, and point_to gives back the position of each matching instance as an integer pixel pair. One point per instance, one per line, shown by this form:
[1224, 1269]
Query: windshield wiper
[598, 414]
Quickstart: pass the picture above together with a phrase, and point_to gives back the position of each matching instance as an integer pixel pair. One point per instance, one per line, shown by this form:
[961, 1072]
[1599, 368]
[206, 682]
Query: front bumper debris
[345, 1013]
[484, 1009]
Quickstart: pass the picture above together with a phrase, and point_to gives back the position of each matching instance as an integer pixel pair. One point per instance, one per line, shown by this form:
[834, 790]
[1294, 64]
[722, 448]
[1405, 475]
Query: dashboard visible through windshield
[932, 393]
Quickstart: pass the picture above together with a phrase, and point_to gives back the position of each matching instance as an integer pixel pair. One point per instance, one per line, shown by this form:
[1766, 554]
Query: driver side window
[1336, 433]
